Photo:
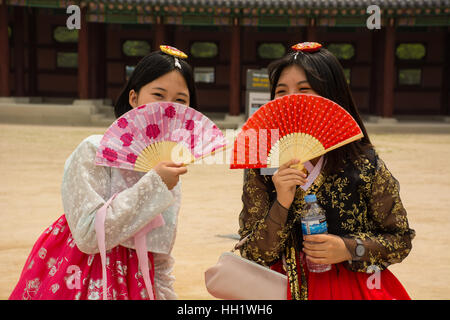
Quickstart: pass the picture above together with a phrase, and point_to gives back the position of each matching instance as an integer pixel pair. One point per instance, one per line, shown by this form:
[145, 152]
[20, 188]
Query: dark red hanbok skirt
[340, 283]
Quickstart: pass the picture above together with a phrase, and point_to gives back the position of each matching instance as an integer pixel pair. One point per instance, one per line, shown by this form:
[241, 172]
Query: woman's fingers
[288, 164]
[314, 254]
[322, 237]
[290, 171]
[175, 168]
[173, 164]
[325, 248]
[292, 180]
[318, 260]
[315, 246]
[178, 171]
[315, 249]
[291, 177]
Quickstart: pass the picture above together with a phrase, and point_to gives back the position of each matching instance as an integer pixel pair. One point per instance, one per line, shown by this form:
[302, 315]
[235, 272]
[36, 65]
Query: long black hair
[326, 77]
[151, 67]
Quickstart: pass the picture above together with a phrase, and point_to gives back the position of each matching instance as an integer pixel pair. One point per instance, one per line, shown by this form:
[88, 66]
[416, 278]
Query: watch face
[360, 250]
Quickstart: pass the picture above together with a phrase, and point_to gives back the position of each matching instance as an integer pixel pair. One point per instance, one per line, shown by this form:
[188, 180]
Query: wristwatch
[360, 250]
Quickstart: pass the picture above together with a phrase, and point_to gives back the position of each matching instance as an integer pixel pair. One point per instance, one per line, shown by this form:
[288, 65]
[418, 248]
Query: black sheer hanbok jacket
[361, 201]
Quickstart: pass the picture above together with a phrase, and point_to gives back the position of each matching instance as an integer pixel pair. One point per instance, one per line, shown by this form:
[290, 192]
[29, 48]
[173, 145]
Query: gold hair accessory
[173, 51]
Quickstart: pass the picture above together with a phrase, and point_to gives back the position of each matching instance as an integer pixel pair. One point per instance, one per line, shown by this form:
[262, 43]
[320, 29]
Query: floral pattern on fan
[156, 132]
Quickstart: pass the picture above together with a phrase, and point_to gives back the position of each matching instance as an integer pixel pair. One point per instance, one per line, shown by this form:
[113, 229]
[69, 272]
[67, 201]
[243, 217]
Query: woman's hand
[325, 249]
[170, 172]
[286, 180]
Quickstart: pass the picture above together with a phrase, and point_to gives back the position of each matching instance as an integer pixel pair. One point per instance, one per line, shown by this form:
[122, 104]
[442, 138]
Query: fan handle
[299, 166]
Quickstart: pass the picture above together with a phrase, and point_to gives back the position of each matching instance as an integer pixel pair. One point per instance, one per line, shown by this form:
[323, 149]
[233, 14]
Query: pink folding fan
[159, 131]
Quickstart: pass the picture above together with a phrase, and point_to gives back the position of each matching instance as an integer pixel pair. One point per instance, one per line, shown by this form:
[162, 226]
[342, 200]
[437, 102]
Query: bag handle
[240, 243]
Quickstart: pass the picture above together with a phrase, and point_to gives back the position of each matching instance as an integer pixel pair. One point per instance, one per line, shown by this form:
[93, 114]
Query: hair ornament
[175, 53]
[306, 47]
[177, 63]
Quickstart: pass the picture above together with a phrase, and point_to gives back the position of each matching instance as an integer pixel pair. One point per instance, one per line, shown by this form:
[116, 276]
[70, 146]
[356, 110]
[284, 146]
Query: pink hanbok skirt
[57, 270]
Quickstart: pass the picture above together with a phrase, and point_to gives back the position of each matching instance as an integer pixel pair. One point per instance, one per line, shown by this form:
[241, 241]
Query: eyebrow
[179, 93]
[285, 85]
[157, 88]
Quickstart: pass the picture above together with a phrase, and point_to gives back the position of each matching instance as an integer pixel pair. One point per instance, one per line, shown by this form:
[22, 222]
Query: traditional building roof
[290, 3]
[256, 12]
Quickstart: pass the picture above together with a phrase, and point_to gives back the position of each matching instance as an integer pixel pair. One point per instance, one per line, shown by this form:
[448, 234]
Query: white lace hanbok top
[86, 187]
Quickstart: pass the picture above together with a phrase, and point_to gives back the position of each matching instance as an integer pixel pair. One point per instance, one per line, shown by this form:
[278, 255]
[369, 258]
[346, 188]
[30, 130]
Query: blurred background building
[400, 69]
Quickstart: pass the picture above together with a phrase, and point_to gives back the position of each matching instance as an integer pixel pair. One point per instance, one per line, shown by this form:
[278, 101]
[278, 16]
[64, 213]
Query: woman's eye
[280, 92]
[181, 101]
[159, 95]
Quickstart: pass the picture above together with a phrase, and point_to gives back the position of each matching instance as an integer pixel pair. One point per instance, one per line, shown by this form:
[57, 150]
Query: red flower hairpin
[307, 47]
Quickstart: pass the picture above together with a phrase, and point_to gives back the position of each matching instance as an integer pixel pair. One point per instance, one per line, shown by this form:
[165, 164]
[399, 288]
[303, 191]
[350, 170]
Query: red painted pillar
[4, 52]
[101, 61]
[83, 57]
[19, 49]
[235, 69]
[311, 32]
[32, 53]
[376, 78]
[445, 89]
[389, 72]
[159, 35]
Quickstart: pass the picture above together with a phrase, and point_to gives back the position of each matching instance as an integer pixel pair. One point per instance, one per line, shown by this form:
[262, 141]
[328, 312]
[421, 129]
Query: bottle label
[314, 226]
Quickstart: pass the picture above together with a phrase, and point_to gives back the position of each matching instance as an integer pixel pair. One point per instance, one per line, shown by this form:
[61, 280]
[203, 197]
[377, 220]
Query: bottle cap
[310, 198]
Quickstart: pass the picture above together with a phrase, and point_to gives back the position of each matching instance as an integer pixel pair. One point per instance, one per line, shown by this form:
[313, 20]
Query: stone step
[100, 120]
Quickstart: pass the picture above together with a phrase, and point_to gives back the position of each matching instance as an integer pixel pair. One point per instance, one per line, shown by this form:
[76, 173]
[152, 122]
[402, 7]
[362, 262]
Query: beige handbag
[236, 278]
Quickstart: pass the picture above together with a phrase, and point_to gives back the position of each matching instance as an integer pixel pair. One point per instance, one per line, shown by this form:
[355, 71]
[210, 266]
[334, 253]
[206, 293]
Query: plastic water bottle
[314, 221]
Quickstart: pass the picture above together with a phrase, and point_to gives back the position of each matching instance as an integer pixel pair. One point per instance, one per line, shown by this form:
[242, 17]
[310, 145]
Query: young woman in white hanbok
[66, 262]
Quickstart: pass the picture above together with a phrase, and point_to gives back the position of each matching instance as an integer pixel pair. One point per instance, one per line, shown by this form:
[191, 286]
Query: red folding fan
[295, 126]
